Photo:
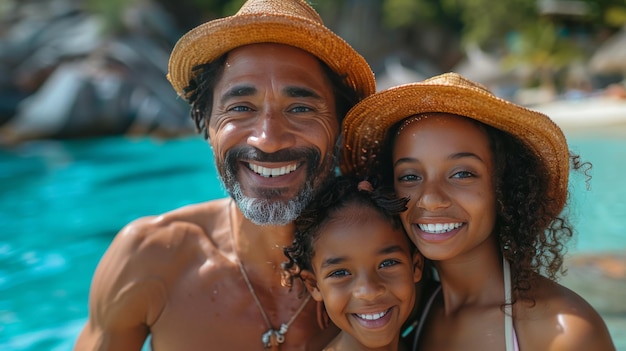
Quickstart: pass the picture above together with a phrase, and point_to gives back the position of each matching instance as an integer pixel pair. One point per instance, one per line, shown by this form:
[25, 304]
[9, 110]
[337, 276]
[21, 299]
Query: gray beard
[268, 208]
[263, 211]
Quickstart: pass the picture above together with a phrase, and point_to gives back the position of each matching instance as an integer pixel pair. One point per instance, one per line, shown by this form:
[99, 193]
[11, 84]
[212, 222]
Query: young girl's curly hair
[338, 194]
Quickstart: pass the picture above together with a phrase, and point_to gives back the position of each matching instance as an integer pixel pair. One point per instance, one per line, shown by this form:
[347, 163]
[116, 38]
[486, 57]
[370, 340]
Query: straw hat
[365, 126]
[290, 22]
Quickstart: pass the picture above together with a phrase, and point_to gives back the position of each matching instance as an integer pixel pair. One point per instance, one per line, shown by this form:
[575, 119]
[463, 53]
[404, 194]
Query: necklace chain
[271, 337]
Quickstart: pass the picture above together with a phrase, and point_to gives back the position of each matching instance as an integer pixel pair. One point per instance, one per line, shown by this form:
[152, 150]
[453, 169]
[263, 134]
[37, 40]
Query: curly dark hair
[199, 92]
[531, 236]
[338, 194]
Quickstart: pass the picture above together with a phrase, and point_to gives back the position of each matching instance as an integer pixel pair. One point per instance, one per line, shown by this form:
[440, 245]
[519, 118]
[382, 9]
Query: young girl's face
[444, 164]
[365, 272]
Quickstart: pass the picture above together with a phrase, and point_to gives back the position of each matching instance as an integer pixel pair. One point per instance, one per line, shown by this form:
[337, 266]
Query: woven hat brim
[211, 40]
[366, 125]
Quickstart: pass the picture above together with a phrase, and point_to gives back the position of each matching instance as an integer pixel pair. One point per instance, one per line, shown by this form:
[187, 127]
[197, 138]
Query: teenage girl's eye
[388, 263]
[463, 174]
[408, 178]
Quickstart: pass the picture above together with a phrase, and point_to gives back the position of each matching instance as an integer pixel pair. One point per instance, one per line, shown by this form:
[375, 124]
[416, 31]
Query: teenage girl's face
[444, 164]
[365, 273]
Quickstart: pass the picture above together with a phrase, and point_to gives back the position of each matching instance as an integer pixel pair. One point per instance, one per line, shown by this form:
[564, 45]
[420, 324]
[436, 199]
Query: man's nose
[272, 132]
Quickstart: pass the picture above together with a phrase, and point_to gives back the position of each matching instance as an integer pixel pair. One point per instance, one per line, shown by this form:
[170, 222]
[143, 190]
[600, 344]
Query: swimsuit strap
[424, 315]
[509, 333]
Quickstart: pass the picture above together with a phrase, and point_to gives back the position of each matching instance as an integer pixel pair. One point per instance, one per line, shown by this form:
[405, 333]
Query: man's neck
[260, 247]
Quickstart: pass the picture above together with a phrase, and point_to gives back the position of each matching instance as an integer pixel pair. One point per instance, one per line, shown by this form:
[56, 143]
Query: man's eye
[240, 109]
[300, 109]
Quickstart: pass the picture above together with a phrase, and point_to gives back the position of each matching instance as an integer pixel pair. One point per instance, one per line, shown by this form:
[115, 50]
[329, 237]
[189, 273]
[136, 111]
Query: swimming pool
[61, 203]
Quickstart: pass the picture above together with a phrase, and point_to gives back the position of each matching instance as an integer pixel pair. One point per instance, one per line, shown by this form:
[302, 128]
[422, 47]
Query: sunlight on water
[600, 212]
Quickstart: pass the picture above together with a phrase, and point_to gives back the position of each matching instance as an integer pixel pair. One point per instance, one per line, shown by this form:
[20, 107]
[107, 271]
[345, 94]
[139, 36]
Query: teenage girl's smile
[430, 231]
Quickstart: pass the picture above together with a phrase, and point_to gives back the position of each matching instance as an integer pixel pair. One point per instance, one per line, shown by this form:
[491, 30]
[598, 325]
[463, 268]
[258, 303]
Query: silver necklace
[272, 337]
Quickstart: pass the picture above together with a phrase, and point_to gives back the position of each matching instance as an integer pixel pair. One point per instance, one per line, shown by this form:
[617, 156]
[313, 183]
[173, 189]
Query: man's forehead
[294, 72]
[259, 50]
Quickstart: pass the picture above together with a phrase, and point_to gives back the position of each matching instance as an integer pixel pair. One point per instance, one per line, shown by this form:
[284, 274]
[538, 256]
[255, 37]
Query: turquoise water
[61, 203]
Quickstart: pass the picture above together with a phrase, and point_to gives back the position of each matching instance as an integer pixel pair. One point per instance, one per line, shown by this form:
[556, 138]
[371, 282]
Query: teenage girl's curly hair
[530, 235]
[337, 195]
[199, 92]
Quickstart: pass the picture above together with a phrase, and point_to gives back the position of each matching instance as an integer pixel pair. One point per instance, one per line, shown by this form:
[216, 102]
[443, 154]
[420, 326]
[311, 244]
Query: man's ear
[418, 266]
[311, 285]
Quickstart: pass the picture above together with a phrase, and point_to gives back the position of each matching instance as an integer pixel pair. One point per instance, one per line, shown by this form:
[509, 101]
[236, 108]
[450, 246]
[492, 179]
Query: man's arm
[125, 298]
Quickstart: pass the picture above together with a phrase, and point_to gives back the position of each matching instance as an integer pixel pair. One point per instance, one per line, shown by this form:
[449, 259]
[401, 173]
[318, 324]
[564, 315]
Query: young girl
[487, 182]
[352, 253]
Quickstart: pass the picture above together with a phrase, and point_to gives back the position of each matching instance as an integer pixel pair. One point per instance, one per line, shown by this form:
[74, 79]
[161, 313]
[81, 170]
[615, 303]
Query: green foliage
[607, 13]
[542, 50]
[479, 21]
[111, 11]
[405, 13]
[228, 8]
[541, 45]
[487, 22]
[615, 16]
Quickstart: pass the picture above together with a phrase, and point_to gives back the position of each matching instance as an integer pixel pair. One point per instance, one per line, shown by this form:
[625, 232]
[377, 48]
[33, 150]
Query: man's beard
[268, 208]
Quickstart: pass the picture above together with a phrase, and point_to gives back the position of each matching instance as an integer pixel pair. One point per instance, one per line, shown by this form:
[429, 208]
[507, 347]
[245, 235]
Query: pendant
[272, 338]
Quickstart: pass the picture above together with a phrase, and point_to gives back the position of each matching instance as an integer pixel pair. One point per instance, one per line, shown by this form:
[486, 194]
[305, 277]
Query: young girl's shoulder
[559, 319]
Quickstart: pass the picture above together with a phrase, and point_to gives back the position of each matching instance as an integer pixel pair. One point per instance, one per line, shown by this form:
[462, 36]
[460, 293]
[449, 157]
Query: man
[269, 87]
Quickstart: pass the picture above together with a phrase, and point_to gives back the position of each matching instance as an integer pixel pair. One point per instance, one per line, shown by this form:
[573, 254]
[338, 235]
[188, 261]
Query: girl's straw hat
[366, 125]
[290, 22]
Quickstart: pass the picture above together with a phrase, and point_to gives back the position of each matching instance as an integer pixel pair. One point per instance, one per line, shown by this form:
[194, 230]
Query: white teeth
[439, 228]
[272, 172]
[371, 317]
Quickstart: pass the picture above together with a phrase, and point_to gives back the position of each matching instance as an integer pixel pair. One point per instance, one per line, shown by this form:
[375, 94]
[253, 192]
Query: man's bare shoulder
[143, 268]
[175, 233]
[160, 248]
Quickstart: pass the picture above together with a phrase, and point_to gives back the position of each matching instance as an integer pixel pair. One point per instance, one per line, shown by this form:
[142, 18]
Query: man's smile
[272, 172]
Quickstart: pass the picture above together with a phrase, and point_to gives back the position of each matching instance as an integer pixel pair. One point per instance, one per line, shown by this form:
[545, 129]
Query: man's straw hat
[366, 125]
[290, 22]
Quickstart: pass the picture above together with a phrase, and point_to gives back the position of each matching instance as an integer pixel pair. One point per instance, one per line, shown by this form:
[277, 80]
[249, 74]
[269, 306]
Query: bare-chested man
[269, 87]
